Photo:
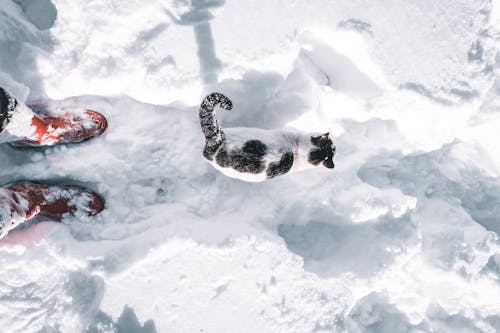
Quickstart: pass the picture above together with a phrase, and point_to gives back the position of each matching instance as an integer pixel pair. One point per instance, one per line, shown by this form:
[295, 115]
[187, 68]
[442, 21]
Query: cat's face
[322, 151]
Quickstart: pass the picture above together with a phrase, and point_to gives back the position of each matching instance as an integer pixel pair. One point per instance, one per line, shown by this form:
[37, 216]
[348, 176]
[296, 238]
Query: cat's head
[322, 151]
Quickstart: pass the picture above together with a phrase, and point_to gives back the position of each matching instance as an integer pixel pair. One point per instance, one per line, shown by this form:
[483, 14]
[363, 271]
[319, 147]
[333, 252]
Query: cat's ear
[320, 140]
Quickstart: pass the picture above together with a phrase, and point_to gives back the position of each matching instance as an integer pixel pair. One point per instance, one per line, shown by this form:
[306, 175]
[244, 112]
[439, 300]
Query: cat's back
[254, 155]
[274, 141]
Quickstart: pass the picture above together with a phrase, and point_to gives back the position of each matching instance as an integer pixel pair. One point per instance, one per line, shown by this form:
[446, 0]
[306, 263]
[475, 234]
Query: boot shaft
[7, 105]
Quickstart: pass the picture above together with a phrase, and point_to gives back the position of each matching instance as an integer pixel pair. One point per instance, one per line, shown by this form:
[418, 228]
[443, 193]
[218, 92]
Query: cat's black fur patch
[279, 168]
[254, 147]
[247, 159]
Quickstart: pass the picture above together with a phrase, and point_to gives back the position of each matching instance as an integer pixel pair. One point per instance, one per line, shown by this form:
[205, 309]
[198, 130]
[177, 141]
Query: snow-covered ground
[402, 236]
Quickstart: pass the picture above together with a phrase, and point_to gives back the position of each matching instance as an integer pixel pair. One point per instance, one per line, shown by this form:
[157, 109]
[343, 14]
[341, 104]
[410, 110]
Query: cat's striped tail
[214, 136]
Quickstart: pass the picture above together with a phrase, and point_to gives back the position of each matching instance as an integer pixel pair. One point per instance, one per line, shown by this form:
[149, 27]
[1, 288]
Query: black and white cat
[253, 154]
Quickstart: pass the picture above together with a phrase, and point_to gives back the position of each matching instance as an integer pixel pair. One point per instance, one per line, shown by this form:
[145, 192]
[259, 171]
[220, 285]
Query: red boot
[56, 201]
[21, 201]
[68, 129]
[23, 128]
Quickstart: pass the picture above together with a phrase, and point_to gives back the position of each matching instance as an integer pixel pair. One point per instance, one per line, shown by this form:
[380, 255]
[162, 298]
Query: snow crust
[402, 236]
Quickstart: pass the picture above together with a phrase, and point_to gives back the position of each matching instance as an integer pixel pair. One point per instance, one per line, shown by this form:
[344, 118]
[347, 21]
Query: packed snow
[402, 236]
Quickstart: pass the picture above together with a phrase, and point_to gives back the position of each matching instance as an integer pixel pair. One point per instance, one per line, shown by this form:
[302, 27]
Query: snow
[402, 236]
